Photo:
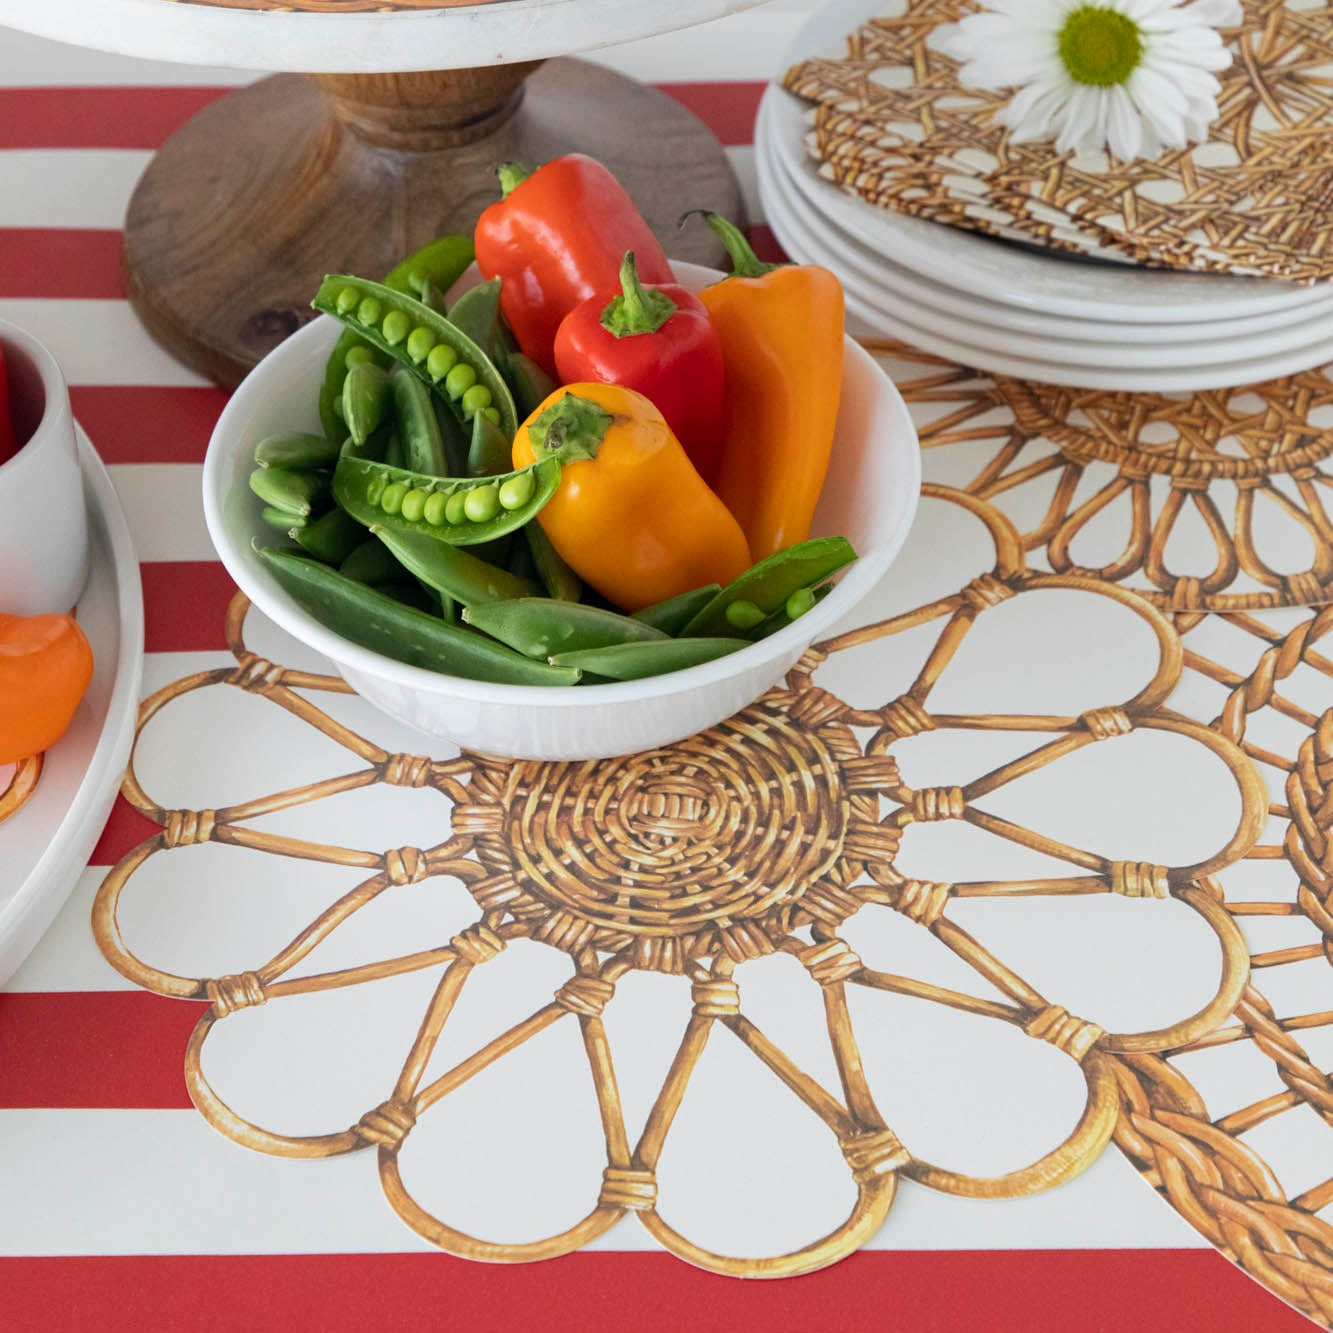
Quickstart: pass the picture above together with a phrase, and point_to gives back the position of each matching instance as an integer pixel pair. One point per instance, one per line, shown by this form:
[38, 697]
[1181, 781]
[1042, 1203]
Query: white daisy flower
[1134, 76]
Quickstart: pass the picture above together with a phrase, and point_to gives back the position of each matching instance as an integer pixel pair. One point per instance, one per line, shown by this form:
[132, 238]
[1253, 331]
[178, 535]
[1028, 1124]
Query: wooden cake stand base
[245, 208]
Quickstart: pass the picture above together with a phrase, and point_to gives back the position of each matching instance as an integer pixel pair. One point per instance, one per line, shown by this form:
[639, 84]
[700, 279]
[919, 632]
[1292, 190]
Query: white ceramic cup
[43, 518]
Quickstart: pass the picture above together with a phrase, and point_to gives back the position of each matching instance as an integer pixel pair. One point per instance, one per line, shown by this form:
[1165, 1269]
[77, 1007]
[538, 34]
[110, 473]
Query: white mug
[43, 517]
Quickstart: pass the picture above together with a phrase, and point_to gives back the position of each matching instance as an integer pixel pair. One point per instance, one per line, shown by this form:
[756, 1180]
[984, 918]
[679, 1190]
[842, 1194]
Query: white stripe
[105, 1179]
[164, 508]
[98, 342]
[68, 187]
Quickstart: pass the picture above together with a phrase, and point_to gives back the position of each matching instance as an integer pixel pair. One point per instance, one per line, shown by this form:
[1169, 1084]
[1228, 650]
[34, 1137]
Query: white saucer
[1013, 276]
[45, 845]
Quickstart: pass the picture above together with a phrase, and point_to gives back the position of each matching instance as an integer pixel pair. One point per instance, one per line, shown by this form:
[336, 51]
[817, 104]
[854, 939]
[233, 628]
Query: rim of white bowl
[265, 592]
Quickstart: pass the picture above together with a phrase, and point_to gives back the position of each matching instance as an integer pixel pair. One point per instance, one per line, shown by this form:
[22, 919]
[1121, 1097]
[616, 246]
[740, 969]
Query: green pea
[441, 361]
[491, 414]
[517, 491]
[375, 489]
[357, 355]
[396, 327]
[455, 509]
[459, 380]
[801, 601]
[419, 343]
[347, 300]
[368, 312]
[743, 615]
[482, 504]
[392, 499]
[475, 399]
[435, 509]
[414, 505]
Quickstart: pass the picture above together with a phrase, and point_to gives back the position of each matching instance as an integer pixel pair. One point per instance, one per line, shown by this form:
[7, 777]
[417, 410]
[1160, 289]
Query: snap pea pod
[451, 570]
[298, 493]
[371, 563]
[767, 585]
[296, 449]
[394, 453]
[518, 560]
[440, 264]
[331, 538]
[365, 397]
[282, 519]
[477, 314]
[531, 385]
[440, 355]
[410, 594]
[490, 453]
[455, 436]
[634, 661]
[556, 577]
[676, 612]
[335, 371]
[380, 623]
[375, 447]
[423, 442]
[462, 511]
[539, 626]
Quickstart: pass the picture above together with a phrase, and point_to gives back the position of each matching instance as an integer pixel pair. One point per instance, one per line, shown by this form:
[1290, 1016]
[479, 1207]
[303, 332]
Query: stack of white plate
[1017, 311]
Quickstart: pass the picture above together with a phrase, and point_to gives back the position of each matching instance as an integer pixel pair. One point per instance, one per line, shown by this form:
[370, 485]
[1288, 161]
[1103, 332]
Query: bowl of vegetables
[589, 505]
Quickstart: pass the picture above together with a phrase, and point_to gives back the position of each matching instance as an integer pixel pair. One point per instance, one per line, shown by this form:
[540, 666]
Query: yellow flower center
[1100, 45]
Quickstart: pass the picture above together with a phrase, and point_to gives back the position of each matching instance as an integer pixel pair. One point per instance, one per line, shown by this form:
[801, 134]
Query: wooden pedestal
[245, 208]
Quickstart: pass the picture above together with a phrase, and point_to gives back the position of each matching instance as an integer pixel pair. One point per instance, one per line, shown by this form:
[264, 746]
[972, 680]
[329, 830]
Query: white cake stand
[393, 142]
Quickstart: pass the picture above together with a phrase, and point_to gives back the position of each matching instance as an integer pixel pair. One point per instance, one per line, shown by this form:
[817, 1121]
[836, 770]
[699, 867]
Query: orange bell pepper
[632, 516]
[781, 327]
[46, 665]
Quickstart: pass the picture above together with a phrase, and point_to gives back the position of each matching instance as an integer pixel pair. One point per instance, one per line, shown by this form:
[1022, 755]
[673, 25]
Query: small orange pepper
[632, 517]
[46, 665]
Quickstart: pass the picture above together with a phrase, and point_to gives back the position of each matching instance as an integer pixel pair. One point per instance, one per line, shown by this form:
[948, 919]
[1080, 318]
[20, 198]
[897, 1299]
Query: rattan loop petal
[930, 804]
[405, 865]
[923, 900]
[985, 590]
[477, 944]
[635, 1191]
[406, 770]
[184, 828]
[1073, 1036]
[716, 997]
[255, 673]
[242, 990]
[387, 1125]
[585, 995]
[1303, 589]
[814, 707]
[830, 961]
[905, 717]
[1140, 879]
[1103, 723]
[874, 1153]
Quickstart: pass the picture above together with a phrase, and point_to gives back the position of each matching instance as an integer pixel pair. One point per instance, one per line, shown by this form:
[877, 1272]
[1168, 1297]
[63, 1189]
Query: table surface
[118, 1205]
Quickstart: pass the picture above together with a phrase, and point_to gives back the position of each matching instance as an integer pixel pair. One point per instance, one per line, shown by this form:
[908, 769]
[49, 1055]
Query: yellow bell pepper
[632, 516]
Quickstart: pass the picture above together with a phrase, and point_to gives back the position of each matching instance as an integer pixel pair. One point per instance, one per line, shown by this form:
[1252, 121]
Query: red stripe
[766, 245]
[184, 605]
[728, 109]
[1013, 1291]
[97, 117]
[60, 262]
[125, 830]
[118, 117]
[138, 424]
[94, 1049]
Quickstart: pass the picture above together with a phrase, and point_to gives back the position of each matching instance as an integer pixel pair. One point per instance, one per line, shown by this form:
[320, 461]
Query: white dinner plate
[1010, 274]
[1301, 339]
[898, 283]
[45, 844]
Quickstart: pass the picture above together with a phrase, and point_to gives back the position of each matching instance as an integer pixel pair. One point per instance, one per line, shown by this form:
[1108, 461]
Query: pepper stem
[638, 309]
[511, 176]
[570, 430]
[744, 262]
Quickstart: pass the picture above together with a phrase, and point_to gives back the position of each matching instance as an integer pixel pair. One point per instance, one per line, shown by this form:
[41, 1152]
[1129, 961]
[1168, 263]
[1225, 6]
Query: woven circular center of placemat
[720, 828]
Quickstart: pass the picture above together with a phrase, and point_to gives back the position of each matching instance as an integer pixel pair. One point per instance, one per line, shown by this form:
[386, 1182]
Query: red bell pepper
[659, 342]
[8, 445]
[556, 238]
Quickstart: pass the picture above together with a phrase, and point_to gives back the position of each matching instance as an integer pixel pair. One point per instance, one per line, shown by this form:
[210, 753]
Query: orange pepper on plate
[46, 665]
[632, 516]
[781, 327]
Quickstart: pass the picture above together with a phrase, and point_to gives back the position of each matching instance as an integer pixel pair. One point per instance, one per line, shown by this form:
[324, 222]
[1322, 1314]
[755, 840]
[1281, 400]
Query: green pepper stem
[744, 262]
[511, 175]
[570, 430]
[638, 309]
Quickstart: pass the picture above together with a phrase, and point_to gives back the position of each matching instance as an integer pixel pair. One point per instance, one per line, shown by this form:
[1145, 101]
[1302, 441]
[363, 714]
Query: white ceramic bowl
[871, 494]
[43, 519]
